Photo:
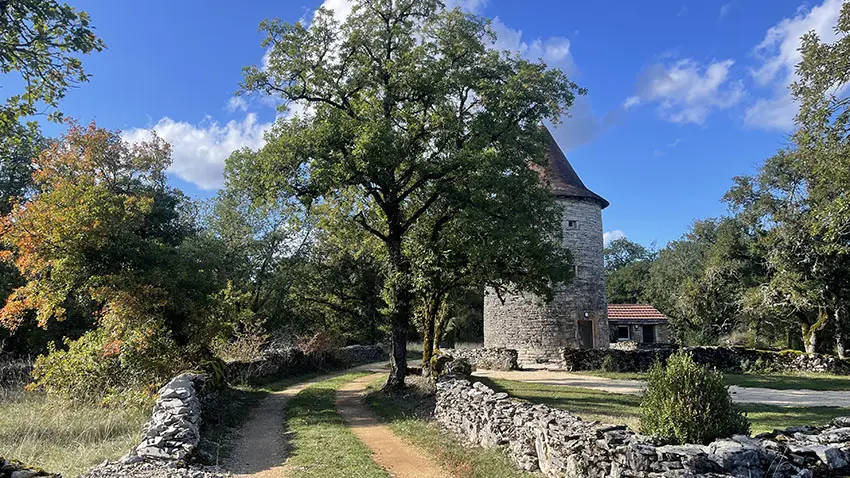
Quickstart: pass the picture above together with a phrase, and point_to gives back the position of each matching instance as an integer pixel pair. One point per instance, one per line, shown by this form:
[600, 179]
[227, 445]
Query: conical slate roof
[563, 178]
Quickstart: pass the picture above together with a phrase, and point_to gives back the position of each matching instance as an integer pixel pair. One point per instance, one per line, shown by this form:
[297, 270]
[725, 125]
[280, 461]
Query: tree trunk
[401, 298]
[810, 332]
[429, 333]
[840, 350]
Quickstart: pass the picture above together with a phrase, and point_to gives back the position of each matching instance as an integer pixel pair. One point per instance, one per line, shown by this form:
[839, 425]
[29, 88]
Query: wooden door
[585, 334]
[649, 334]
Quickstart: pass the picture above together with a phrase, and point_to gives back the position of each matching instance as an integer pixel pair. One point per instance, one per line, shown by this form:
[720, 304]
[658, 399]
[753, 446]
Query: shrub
[609, 364]
[98, 367]
[321, 346]
[248, 343]
[688, 403]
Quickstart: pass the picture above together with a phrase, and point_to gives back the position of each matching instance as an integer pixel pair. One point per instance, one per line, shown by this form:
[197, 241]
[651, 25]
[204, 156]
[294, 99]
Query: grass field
[819, 381]
[624, 409]
[64, 437]
[322, 445]
[407, 414]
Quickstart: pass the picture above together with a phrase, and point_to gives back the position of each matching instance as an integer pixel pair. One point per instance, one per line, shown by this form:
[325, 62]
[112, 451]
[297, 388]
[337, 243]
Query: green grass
[64, 437]
[224, 418]
[819, 381]
[625, 409]
[322, 445]
[404, 412]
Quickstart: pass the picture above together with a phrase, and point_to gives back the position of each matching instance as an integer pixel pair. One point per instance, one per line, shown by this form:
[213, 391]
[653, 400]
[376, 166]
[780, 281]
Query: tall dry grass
[60, 435]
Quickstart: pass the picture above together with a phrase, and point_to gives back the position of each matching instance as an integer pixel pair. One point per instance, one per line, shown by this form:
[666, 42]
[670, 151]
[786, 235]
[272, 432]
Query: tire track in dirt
[399, 458]
[262, 448]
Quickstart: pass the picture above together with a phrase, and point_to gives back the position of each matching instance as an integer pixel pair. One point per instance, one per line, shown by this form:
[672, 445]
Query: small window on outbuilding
[623, 332]
[572, 224]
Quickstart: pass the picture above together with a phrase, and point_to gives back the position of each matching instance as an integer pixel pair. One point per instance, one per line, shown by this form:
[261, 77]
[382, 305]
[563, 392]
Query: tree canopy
[407, 109]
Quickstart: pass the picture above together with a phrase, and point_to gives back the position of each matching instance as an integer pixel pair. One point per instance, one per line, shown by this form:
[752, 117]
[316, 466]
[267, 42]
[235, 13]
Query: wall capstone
[559, 444]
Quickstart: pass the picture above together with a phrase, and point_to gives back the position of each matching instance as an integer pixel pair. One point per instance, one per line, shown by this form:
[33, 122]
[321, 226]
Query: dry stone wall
[559, 444]
[280, 363]
[725, 359]
[487, 359]
[171, 436]
[173, 431]
[537, 329]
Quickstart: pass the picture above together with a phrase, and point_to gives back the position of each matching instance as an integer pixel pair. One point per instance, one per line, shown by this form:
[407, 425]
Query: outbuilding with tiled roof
[640, 323]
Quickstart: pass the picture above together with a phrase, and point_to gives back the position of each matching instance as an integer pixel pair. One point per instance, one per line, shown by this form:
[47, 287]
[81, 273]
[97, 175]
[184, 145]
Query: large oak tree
[404, 103]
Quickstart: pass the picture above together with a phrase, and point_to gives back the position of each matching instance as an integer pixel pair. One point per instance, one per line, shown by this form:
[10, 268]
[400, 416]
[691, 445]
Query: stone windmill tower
[577, 316]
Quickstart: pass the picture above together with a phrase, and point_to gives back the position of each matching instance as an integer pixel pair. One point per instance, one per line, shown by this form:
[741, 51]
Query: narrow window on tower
[572, 224]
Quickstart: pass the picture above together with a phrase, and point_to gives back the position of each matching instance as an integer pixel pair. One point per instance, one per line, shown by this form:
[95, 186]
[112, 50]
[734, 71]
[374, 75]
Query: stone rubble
[559, 444]
[173, 431]
[15, 469]
[487, 359]
[153, 469]
[725, 359]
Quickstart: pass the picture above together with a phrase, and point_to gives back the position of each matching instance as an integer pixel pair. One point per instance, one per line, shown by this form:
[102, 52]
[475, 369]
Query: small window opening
[623, 332]
[572, 224]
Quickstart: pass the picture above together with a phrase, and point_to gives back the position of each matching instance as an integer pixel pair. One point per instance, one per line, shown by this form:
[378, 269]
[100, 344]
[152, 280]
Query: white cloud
[341, 8]
[199, 151]
[610, 236]
[779, 54]
[725, 9]
[686, 91]
[472, 6]
[554, 51]
[237, 103]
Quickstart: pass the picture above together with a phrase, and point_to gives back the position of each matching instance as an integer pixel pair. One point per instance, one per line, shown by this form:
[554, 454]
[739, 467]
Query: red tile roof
[633, 312]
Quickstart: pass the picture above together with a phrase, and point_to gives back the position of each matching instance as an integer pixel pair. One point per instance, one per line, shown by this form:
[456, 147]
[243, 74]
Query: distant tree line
[775, 271]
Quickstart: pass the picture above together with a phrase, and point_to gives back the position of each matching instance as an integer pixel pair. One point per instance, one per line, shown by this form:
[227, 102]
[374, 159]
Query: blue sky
[683, 95]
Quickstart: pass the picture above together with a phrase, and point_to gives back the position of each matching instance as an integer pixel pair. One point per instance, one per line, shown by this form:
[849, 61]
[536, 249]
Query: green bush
[609, 364]
[100, 368]
[688, 403]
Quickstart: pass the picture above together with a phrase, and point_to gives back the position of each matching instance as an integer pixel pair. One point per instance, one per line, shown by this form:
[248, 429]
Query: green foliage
[41, 40]
[108, 241]
[700, 281]
[623, 252]
[414, 127]
[101, 368]
[609, 364]
[628, 284]
[687, 403]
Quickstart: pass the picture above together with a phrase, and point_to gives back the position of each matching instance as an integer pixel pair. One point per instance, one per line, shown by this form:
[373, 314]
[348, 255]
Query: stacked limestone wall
[725, 359]
[487, 359]
[560, 444]
[171, 436]
[281, 363]
[538, 330]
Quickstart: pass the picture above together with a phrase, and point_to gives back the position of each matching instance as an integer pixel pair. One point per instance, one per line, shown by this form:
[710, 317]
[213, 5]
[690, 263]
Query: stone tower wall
[538, 330]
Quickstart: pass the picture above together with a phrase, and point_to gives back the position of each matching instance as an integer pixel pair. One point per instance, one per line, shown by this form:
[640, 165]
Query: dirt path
[768, 396]
[262, 448]
[399, 458]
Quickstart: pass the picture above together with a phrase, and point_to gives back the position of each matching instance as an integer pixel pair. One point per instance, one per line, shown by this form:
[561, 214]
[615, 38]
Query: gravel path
[399, 458]
[768, 396]
[262, 449]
